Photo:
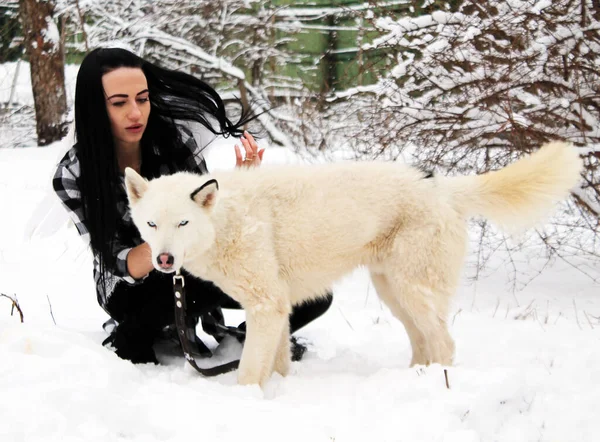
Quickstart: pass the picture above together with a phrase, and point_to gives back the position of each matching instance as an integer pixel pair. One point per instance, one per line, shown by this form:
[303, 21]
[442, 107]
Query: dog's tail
[521, 194]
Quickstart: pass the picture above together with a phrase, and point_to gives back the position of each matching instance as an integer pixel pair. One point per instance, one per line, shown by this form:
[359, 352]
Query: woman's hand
[253, 157]
[139, 261]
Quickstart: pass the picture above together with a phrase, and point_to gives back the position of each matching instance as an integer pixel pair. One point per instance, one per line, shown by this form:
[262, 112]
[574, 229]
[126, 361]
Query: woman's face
[128, 105]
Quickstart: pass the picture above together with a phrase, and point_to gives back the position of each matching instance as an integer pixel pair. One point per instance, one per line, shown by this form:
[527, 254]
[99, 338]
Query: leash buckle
[180, 277]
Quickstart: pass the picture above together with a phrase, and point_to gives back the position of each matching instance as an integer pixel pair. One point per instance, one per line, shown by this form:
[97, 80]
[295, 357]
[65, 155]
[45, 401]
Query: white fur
[272, 238]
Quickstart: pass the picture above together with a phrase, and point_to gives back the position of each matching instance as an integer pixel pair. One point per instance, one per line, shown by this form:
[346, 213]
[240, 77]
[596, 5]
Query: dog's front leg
[283, 357]
[265, 324]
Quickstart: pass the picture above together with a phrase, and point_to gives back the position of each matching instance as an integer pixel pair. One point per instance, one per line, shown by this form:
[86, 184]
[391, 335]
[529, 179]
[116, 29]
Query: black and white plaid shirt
[66, 187]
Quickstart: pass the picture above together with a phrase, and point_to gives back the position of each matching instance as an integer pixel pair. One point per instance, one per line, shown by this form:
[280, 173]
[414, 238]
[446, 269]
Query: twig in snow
[588, 319]
[347, 322]
[455, 315]
[15, 304]
[446, 377]
[576, 315]
[558, 317]
[497, 306]
[464, 416]
[529, 311]
[50, 305]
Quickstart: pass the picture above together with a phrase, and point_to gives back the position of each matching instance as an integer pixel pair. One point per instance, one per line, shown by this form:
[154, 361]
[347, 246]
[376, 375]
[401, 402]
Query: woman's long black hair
[173, 96]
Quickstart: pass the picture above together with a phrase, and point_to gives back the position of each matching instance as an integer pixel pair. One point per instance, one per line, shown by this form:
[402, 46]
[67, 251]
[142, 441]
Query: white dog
[275, 237]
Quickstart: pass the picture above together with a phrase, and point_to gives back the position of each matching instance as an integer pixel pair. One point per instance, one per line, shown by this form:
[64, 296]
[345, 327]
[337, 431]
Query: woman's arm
[131, 269]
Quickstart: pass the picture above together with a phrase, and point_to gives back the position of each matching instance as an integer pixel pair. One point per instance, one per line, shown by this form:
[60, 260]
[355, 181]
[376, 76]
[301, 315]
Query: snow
[540, 6]
[319, 12]
[51, 34]
[526, 364]
[438, 46]
[22, 86]
[183, 45]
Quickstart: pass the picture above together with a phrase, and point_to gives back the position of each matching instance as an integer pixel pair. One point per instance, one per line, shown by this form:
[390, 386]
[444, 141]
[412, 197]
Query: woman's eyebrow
[117, 96]
[125, 95]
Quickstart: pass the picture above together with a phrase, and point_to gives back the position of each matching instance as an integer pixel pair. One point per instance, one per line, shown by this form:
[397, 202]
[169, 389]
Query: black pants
[144, 310]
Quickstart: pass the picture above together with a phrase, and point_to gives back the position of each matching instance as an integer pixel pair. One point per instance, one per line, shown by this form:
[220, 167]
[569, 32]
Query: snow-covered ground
[527, 363]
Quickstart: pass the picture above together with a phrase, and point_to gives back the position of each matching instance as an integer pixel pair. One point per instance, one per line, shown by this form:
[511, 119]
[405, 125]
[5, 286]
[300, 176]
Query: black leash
[188, 335]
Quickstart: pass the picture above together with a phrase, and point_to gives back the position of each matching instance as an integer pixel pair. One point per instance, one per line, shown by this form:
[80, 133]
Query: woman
[131, 113]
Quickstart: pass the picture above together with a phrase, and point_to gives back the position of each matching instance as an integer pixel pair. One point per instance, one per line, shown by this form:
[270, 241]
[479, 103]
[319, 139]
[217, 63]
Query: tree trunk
[42, 45]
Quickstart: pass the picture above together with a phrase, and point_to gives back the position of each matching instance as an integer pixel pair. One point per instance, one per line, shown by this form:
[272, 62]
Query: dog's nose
[165, 260]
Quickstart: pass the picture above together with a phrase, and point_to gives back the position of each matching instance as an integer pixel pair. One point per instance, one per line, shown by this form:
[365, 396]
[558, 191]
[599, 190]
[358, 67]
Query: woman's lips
[135, 129]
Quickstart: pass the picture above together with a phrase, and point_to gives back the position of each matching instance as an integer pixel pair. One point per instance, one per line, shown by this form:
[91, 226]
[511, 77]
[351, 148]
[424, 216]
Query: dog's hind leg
[424, 317]
[386, 294]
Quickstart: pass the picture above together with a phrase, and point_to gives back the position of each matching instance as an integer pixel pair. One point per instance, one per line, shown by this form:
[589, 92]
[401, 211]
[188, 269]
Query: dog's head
[173, 215]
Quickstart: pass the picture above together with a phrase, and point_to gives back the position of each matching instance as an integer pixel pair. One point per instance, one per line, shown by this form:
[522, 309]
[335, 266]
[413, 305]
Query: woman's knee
[309, 311]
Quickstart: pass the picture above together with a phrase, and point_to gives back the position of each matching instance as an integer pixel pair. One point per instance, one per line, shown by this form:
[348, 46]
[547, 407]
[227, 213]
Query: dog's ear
[206, 195]
[135, 184]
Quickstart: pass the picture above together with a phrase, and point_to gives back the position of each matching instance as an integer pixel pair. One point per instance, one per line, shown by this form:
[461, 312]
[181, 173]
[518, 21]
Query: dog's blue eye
[183, 223]
[151, 224]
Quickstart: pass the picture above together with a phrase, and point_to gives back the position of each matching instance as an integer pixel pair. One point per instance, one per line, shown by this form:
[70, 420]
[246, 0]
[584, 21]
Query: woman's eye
[118, 103]
[143, 100]
[183, 223]
[151, 224]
